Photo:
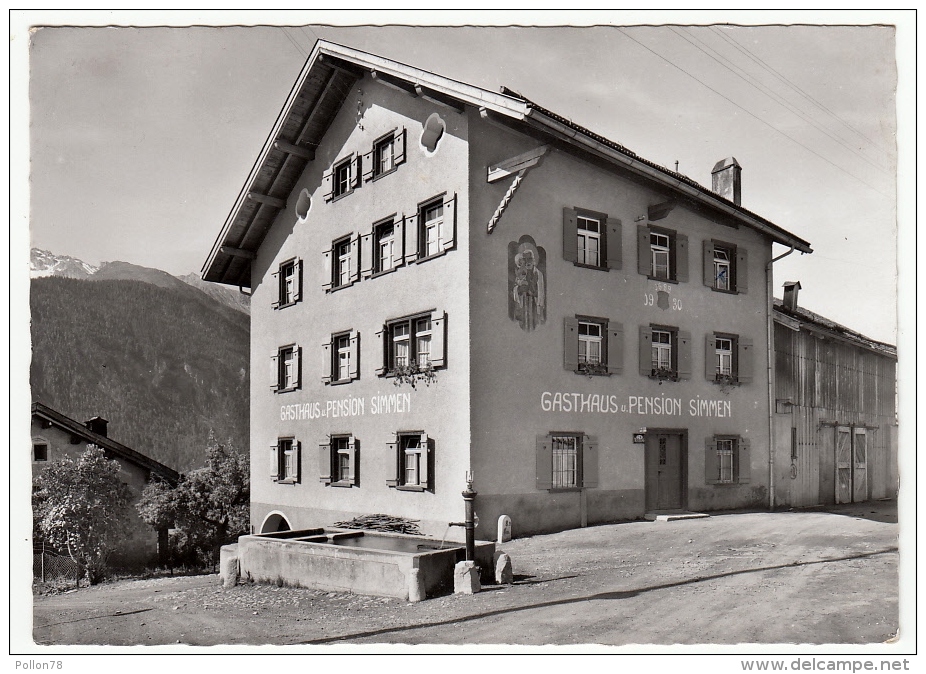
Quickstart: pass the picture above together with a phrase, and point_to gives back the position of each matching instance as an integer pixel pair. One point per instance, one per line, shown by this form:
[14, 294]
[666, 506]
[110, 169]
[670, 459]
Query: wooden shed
[836, 412]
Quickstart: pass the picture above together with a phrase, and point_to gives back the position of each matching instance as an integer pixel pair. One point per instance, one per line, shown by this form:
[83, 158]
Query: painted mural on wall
[527, 294]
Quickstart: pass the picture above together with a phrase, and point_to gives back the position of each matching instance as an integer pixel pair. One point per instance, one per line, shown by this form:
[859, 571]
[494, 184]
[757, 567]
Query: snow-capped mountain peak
[44, 263]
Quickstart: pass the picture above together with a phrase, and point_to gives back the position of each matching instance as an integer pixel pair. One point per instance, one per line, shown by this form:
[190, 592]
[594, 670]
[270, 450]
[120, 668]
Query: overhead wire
[716, 56]
[753, 115]
[745, 50]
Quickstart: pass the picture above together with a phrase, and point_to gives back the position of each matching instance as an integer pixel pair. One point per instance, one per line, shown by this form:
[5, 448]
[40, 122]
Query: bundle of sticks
[380, 522]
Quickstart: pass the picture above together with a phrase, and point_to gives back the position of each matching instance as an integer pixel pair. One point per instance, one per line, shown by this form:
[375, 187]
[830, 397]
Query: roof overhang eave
[539, 120]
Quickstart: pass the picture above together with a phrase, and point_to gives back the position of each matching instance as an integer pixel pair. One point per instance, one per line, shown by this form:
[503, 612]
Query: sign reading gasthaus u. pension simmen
[348, 406]
[662, 405]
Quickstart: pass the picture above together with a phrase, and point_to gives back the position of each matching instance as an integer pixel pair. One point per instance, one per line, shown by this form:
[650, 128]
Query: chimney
[726, 179]
[97, 425]
[790, 295]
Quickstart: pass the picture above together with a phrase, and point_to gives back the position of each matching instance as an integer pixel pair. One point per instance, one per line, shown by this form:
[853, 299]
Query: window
[726, 460]
[286, 366]
[566, 461]
[662, 254]
[413, 452]
[341, 179]
[285, 455]
[725, 267]
[414, 341]
[382, 247]
[431, 231]
[665, 352]
[341, 360]
[387, 153]
[590, 352]
[40, 451]
[385, 248]
[728, 358]
[338, 461]
[591, 239]
[593, 346]
[341, 263]
[289, 283]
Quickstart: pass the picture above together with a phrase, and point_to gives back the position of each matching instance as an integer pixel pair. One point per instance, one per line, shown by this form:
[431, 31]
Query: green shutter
[742, 270]
[711, 462]
[709, 263]
[615, 347]
[684, 354]
[681, 258]
[589, 462]
[544, 448]
[743, 464]
[710, 356]
[615, 245]
[570, 236]
[646, 350]
[745, 349]
[571, 343]
[644, 252]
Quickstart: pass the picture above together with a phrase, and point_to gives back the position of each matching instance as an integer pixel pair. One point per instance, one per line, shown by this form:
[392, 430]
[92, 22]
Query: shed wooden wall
[831, 382]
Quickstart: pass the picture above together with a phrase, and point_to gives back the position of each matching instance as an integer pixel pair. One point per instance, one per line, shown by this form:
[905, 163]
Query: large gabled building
[448, 280]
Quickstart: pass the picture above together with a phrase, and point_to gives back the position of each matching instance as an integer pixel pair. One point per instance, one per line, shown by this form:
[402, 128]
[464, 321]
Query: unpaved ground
[803, 577]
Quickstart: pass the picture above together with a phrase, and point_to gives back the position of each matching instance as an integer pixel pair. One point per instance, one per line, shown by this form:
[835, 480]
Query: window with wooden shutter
[644, 252]
[399, 146]
[327, 269]
[354, 171]
[353, 455]
[411, 238]
[438, 338]
[275, 369]
[324, 462]
[424, 480]
[366, 255]
[292, 460]
[711, 461]
[571, 343]
[646, 350]
[710, 357]
[448, 231]
[328, 184]
[742, 270]
[745, 365]
[614, 245]
[681, 258]
[368, 165]
[743, 463]
[278, 283]
[392, 450]
[274, 461]
[544, 468]
[354, 258]
[354, 369]
[382, 366]
[684, 354]
[615, 351]
[707, 263]
[414, 461]
[589, 462]
[328, 367]
[570, 235]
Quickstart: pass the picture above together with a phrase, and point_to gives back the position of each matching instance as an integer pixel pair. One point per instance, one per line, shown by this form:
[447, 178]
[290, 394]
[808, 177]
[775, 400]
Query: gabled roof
[77, 429]
[322, 87]
[799, 317]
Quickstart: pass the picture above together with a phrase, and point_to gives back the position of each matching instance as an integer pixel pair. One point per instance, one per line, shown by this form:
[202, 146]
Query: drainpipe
[771, 378]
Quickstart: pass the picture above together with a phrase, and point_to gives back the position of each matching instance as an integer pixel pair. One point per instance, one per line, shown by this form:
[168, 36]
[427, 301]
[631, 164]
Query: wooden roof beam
[237, 252]
[394, 83]
[434, 97]
[329, 87]
[344, 67]
[295, 150]
[268, 200]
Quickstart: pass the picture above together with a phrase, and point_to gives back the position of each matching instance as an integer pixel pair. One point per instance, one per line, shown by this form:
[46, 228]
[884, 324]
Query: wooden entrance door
[664, 471]
[859, 464]
[843, 464]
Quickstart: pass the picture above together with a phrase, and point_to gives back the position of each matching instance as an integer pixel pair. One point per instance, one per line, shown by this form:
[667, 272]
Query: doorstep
[673, 515]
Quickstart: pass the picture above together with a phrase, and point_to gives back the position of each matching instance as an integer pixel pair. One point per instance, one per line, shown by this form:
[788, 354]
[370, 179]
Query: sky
[141, 138]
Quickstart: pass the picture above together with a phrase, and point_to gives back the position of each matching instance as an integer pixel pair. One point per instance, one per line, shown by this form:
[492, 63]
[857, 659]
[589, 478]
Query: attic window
[40, 451]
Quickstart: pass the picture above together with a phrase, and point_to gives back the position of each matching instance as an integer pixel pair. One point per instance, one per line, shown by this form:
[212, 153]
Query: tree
[82, 508]
[210, 505]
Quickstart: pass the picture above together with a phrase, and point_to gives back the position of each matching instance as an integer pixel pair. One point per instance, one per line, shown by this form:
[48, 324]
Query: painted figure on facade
[527, 290]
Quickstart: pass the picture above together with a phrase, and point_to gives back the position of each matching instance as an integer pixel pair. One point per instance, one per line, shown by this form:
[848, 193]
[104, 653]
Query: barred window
[565, 461]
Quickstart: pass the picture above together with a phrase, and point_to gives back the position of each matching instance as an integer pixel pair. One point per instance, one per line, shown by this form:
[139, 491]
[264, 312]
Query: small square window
[40, 451]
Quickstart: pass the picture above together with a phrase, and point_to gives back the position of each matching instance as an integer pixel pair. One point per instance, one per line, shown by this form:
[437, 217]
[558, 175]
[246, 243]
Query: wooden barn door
[843, 464]
[859, 464]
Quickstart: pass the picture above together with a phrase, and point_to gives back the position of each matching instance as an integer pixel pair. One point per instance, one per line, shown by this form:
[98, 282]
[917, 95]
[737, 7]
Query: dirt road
[803, 577]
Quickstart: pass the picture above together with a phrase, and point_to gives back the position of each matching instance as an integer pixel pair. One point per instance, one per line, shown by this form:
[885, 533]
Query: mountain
[43, 263]
[162, 360]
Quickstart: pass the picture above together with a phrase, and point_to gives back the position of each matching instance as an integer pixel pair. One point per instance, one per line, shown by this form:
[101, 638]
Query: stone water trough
[346, 560]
